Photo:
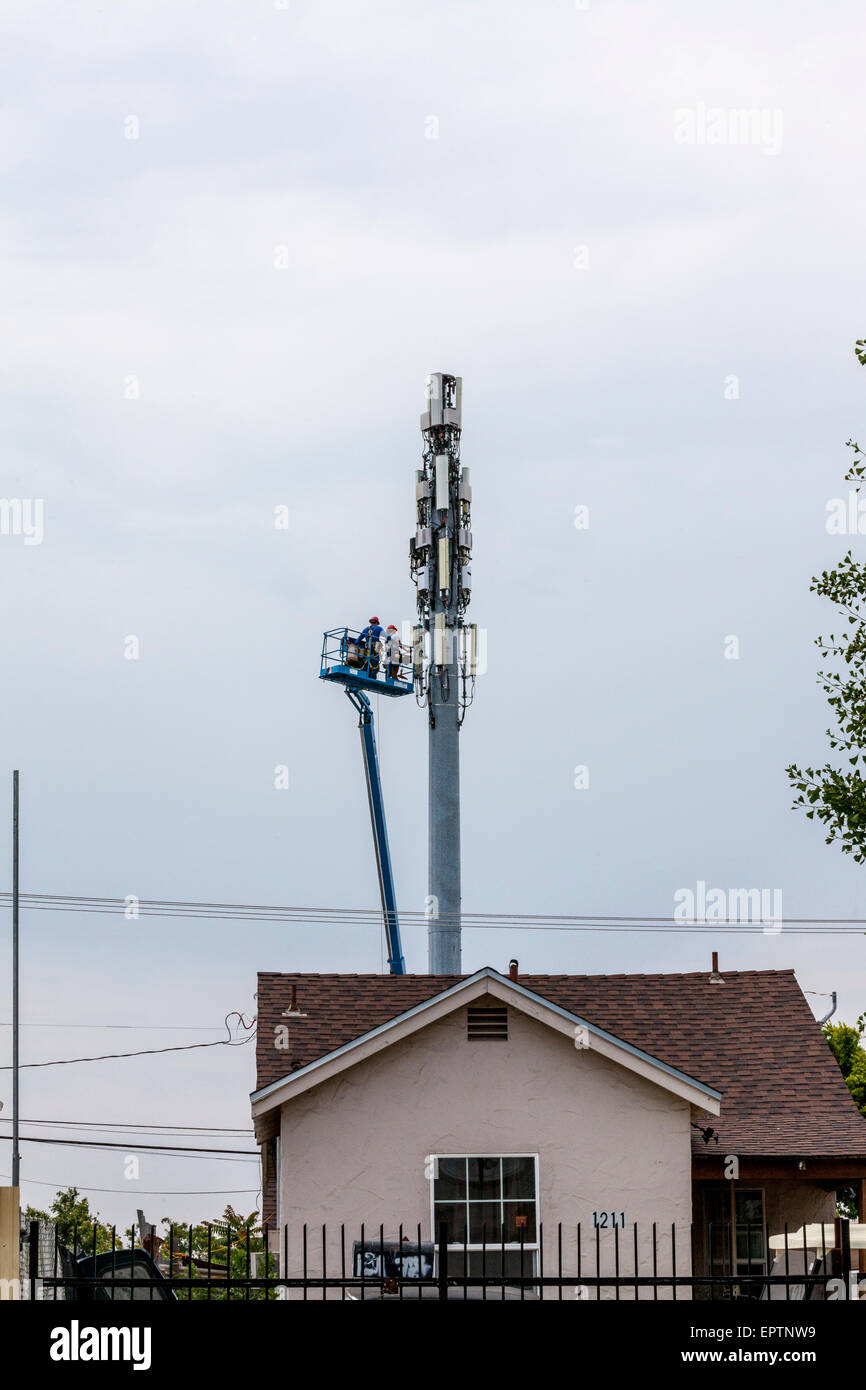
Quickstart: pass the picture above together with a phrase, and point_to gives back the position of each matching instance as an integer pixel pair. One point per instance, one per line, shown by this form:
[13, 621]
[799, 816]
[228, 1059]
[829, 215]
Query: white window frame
[530, 1247]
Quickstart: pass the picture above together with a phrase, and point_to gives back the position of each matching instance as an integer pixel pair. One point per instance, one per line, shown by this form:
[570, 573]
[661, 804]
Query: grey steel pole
[443, 813]
[440, 553]
[16, 1157]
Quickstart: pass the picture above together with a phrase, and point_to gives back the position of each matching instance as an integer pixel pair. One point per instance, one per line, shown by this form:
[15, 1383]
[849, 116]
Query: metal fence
[320, 1262]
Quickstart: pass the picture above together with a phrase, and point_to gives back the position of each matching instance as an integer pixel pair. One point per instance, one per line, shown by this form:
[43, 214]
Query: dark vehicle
[400, 1265]
[114, 1277]
[392, 1260]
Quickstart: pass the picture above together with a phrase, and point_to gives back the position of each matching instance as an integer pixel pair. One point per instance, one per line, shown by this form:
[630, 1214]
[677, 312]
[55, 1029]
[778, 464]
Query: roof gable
[585, 1035]
[752, 1038]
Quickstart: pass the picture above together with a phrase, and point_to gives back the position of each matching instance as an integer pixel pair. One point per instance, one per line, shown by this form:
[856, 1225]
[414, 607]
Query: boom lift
[357, 669]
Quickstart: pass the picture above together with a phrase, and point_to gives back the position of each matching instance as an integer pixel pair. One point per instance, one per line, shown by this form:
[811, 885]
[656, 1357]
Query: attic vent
[483, 1022]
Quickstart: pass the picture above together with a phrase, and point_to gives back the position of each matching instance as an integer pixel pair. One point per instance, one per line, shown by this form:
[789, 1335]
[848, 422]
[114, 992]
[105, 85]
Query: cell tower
[444, 650]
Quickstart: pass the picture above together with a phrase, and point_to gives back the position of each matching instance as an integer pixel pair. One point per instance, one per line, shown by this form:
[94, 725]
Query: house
[708, 1104]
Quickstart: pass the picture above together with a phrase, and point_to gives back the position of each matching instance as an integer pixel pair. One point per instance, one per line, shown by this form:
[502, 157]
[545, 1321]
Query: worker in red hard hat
[393, 652]
[370, 641]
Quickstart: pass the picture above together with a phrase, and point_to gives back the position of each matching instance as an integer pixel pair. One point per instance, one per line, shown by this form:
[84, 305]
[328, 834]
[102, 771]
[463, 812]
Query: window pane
[750, 1243]
[491, 1262]
[484, 1222]
[484, 1179]
[719, 1246]
[518, 1177]
[717, 1206]
[454, 1215]
[750, 1207]
[519, 1221]
[451, 1182]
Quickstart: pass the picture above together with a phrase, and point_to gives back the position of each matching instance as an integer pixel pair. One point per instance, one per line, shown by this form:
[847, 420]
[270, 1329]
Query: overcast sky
[236, 237]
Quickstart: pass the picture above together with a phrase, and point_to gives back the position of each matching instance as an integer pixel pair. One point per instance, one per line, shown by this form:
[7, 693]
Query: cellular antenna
[445, 650]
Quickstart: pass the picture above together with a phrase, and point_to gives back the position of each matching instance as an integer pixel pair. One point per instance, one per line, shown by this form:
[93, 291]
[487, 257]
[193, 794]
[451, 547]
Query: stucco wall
[797, 1201]
[353, 1149]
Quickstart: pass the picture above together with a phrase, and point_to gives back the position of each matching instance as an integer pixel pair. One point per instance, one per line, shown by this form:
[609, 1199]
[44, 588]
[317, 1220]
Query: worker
[370, 642]
[393, 652]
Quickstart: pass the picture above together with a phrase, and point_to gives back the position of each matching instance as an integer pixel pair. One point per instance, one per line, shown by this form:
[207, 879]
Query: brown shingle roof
[753, 1038]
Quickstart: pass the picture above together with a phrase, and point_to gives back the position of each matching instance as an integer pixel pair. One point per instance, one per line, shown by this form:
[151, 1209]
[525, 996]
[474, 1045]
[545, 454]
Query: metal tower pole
[444, 652]
[443, 809]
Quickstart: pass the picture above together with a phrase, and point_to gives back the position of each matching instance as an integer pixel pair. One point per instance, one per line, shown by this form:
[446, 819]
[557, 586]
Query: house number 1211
[608, 1219]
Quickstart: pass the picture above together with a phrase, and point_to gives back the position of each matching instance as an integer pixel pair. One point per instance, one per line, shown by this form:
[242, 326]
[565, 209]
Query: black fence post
[845, 1247]
[443, 1259]
[33, 1257]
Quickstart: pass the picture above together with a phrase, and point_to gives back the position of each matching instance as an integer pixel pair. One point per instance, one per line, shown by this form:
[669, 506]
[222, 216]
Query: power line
[154, 905]
[498, 921]
[158, 1148]
[143, 1052]
[791, 926]
[143, 1191]
[145, 1128]
[133, 1027]
[181, 1150]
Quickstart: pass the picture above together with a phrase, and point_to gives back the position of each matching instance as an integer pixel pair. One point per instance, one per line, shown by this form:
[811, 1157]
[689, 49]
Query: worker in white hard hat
[392, 651]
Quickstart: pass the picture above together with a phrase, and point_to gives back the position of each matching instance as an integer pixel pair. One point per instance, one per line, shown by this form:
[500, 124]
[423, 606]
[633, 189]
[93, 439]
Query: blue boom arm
[380, 831]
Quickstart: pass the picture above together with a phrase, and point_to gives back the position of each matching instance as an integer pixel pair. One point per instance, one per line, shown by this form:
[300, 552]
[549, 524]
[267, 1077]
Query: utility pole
[444, 650]
[16, 1157]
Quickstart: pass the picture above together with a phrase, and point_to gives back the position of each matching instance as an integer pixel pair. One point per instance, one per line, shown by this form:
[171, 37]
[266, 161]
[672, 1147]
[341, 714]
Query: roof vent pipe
[715, 977]
[512, 970]
[293, 1011]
